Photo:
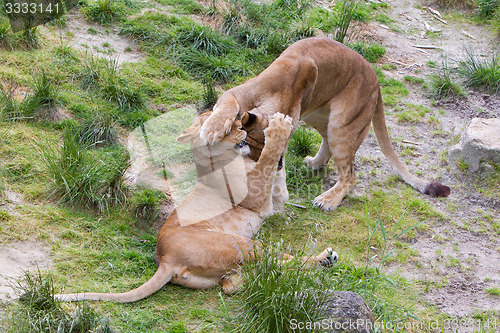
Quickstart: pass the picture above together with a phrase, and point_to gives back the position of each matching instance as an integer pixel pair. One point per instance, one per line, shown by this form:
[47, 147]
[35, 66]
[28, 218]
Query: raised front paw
[279, 129]
[215, 128]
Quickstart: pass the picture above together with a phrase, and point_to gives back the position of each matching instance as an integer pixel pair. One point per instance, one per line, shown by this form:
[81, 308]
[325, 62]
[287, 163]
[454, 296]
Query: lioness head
[210, 157]
[254, 125]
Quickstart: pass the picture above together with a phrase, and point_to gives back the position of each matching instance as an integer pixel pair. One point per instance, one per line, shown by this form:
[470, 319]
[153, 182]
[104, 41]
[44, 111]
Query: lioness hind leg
[187, 279]
[232, 284]
[325, 258]
[343, 148]
[322, 156]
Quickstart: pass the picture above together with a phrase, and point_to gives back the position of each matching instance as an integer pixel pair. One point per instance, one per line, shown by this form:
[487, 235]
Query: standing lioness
[331, 88]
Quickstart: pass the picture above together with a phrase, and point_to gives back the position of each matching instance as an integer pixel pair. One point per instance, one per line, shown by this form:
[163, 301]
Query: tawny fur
[331, 88]
[198, 252]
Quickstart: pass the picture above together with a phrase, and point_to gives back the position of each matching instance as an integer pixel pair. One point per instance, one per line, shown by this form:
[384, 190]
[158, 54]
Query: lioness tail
[433, 189]
[159, 279]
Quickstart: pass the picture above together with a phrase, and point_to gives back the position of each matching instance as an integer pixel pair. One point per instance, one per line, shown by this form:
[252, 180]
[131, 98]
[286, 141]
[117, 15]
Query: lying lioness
[199, 252]
[331, 88]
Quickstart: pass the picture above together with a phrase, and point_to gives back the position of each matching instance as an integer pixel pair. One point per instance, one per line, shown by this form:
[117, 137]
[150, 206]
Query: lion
[331, 88]
[199, 249]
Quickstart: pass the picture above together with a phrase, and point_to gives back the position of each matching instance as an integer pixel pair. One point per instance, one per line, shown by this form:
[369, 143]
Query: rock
[480, 142]
[347, 311]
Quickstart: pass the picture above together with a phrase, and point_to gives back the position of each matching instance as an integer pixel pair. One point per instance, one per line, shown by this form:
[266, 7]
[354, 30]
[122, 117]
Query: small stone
[347, 311]
[480, 142]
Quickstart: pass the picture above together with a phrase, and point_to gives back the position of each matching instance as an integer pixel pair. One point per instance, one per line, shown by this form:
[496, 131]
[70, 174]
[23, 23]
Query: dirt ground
[474, 254]
[460, 252]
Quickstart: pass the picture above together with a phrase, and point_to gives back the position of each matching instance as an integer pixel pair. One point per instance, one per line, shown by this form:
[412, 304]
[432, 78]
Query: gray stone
[347, 311]
[480, 142]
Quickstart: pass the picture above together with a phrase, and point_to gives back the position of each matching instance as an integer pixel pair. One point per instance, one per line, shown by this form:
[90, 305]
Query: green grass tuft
[42, 103]
[146, 204]
[98, 131]
[486, 9]
[9, 107]
[204, 39]
[6, 38]
[90, 73]
[117, 89]
[211, 67]
[104, 11]
[481, 73]
[91, 179]
[304, 141]
[30, 39]
[442, 86]
[371, 52]
[345, 14]
[37, 311]
[275, 294]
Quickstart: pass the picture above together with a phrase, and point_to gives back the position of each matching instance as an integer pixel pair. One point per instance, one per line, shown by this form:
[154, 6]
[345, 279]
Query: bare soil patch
[17, 258]
[101, 41]
[460, 258]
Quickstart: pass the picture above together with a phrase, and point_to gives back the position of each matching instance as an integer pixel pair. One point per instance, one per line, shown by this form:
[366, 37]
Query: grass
[486, 9]
[274, 294]
[304, 141]
[100, 131]
[43, 103]
[115, 88]
[5, 35]
[38, 311]
[371, 52]
[104, 11]
[91, 179]
[345, 15]
[412, 113]
[146, 204]
[204, 39]
[495, 291]
[93, 227]
[443, 85]
[90, 73]
[392, 89]
[479, 73]
[8, 105]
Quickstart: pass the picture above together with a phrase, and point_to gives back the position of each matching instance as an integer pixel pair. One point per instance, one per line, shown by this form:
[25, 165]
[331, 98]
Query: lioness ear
[248, 119]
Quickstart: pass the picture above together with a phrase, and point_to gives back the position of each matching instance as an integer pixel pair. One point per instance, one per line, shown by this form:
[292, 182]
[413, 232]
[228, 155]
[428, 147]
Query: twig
[411, 66]
[399, 63]
[437, 15]
[428, 47]
[440, 20]
[434, 12]
[411, 143]
[295, 205]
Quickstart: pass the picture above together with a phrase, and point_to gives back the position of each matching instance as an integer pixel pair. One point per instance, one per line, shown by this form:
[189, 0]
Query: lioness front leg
[221, 120]
[261, 178]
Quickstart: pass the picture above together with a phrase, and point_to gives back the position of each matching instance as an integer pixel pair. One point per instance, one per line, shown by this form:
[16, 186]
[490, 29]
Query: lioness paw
[325, 202]
[214, 129]
[330, 257]
[313, 163]
[280, 127]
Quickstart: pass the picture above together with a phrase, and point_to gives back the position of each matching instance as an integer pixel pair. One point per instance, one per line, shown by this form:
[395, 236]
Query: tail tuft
[435, 189]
